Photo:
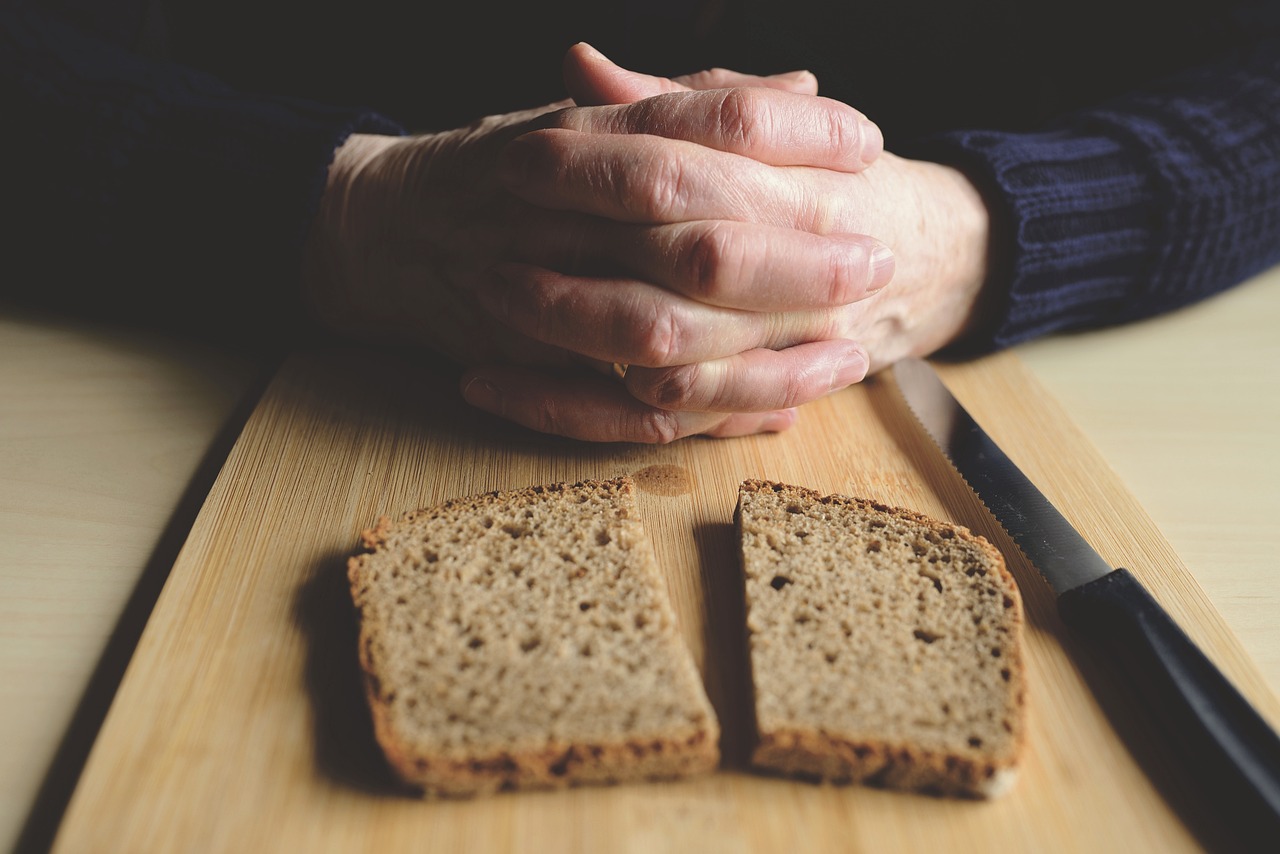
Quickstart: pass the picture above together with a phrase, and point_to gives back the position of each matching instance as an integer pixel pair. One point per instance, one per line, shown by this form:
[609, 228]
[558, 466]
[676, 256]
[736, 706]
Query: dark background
[913, 66]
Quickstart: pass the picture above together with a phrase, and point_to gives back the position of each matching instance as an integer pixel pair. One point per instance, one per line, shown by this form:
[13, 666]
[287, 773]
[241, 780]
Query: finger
[799, 82]
[637, 323]
[754, 381]
[766, 124]
[751, 423]
[592, 80]
[740, 265]
[649, 179]
[597, 409]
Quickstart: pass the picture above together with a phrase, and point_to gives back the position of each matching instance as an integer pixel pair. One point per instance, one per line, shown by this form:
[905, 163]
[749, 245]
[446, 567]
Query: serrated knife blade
[1234, 749]
[1050, 542]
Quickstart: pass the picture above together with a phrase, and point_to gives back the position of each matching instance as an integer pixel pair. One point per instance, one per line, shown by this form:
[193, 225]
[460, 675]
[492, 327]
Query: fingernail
[776, 422]
[852, 369]
[483, 394]
[872, 141]
[883, 265]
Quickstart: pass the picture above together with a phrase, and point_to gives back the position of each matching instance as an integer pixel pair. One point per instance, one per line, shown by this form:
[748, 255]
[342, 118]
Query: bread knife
[1236, 748]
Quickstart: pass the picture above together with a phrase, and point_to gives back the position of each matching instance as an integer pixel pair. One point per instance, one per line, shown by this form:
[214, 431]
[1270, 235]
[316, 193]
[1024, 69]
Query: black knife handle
[1214, 725]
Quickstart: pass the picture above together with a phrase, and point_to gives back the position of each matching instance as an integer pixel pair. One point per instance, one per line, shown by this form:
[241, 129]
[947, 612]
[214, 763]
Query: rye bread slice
[886, 647]
[524, 639]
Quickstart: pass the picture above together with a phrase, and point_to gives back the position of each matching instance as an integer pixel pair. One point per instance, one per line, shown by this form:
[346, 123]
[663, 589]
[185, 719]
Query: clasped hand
[713, 233]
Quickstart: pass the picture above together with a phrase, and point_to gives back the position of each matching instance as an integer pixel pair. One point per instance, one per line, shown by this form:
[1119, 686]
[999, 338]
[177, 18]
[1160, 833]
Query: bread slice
[524, 639]
[885, 646]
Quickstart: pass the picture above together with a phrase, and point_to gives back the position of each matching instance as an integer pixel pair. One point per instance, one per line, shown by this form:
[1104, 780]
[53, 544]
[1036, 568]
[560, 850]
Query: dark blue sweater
[1136, 206]
[1131, 154]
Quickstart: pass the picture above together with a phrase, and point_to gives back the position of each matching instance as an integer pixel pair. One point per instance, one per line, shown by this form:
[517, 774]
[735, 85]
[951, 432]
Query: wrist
[327, 257]
[966, 271]
[940, 232]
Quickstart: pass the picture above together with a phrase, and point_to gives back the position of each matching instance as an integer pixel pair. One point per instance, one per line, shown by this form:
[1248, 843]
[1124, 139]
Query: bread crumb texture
[885, 646]
[524, 639]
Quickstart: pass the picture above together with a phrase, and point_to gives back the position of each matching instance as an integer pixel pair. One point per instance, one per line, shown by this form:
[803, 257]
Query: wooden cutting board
[241, 726]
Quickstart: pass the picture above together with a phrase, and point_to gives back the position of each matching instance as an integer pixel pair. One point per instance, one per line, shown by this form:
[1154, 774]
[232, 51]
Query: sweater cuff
[1074, 223]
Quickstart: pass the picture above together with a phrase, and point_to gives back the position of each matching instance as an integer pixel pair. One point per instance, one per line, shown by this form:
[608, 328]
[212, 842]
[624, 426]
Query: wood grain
[240, 724]
[1185, 407]
[109, 440]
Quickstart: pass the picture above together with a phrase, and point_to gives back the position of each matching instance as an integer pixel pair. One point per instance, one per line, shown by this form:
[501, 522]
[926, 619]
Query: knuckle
[844, 131]
[675, 389]
[657, 427]
[705, 79]
[715, 257]
[545, 416]
[539, 309]
[818, 213]
[844, 278]
[654, 331]
[797, 387]
[713, 78]
[663, 188]
[741, 117]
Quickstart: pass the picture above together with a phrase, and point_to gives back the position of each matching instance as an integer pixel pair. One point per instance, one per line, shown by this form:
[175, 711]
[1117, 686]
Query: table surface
[109, 440]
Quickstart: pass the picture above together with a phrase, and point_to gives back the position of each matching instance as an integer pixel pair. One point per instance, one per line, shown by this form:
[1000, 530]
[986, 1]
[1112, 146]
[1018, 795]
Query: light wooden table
[109, 439]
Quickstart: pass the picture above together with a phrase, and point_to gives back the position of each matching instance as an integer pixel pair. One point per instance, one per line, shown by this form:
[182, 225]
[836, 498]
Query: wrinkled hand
[719, 299]
[779, 224]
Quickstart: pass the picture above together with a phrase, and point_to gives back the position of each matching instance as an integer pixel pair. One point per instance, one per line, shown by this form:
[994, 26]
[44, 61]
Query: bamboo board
[240, 724]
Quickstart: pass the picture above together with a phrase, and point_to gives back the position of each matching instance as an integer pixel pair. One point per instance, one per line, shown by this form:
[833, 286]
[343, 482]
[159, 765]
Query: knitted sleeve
[143, 188]
[1136, 207]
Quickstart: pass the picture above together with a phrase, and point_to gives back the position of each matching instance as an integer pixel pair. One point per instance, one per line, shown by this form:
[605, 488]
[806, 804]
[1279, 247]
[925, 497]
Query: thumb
[592, 80]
